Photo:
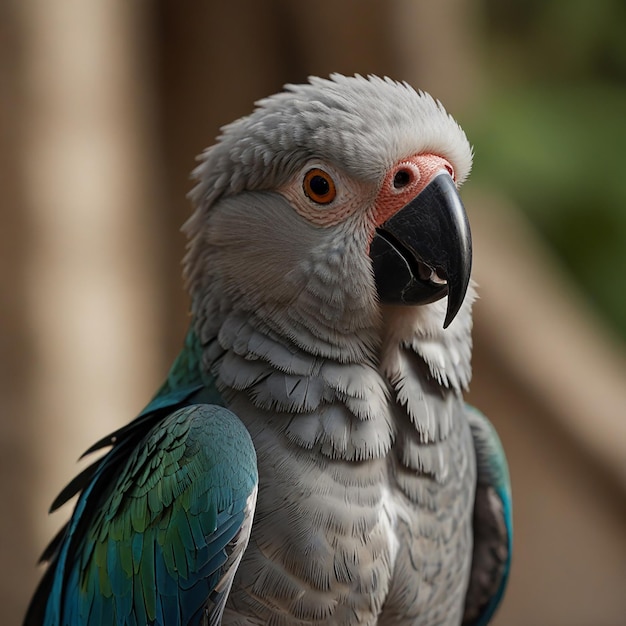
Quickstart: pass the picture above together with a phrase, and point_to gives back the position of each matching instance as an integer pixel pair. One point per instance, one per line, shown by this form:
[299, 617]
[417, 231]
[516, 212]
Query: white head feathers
[251, 252]
[363, 124]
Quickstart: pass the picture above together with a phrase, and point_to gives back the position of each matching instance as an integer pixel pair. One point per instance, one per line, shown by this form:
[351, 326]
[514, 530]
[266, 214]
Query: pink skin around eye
[420, 170]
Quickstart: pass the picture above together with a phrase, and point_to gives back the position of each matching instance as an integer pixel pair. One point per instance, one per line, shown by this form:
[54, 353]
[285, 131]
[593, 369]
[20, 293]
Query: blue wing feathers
[194, 567]
[158, 512]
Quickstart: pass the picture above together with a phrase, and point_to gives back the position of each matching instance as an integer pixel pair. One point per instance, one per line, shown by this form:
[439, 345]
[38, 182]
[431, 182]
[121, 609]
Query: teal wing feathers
[157, 550]
[161, 521]
[493, 524]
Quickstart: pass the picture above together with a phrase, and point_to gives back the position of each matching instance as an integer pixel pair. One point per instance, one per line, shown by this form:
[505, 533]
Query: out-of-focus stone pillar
[84, 159]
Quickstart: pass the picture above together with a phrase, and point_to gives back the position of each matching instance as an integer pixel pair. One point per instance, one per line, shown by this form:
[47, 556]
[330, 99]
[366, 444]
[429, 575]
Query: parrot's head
[332, 201]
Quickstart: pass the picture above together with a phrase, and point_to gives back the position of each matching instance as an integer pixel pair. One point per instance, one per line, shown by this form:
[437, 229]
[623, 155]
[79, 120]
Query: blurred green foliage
[552, 132]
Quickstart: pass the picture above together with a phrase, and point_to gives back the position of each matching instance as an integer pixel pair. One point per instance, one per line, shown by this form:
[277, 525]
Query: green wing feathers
[169, 519]
[176, 519]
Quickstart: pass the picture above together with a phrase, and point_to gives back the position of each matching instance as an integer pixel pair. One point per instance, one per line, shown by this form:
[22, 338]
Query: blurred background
[103, 107]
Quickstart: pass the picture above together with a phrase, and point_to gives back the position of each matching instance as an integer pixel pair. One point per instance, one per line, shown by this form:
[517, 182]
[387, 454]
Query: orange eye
[319, 186]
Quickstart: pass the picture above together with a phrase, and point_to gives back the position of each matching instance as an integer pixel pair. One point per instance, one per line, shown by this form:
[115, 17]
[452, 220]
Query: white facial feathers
[363, 125]
[255, 247]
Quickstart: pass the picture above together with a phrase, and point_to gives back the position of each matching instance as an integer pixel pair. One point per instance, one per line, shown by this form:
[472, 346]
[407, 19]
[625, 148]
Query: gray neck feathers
[294, 335]
[333, 374]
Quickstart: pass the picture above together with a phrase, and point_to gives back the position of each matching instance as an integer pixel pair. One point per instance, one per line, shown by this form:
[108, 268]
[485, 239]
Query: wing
[156, 537]
[493, 524]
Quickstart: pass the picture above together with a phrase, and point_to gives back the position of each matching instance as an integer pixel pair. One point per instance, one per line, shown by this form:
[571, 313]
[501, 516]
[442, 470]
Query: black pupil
[401, 179]
[319, 186]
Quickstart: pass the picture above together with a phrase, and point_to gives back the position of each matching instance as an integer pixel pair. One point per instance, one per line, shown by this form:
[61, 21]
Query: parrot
[310, 458]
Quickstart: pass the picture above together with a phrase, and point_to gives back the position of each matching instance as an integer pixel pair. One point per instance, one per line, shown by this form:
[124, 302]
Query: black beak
[424, 251]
